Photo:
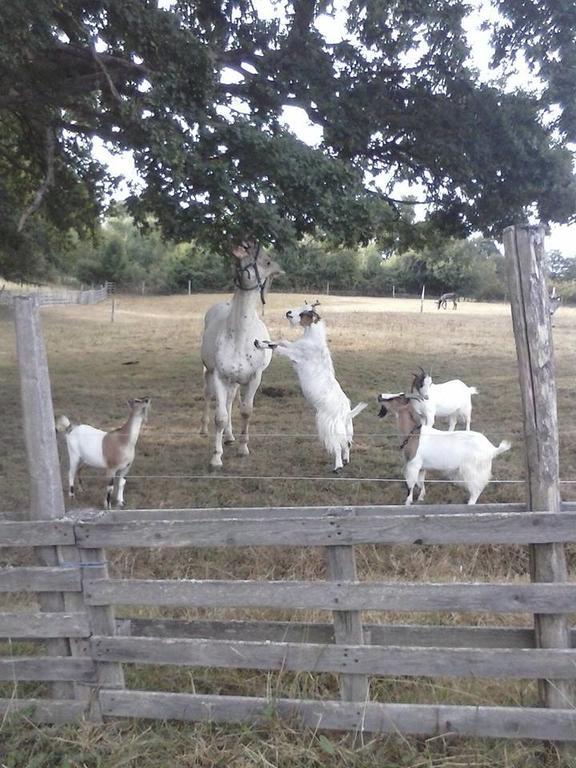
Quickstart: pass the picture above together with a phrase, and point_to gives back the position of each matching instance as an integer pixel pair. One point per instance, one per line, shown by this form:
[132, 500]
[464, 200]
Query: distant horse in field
[445, 298]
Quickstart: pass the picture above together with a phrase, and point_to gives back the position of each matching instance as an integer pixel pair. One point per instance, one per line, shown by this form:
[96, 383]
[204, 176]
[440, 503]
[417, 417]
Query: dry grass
[152, 348]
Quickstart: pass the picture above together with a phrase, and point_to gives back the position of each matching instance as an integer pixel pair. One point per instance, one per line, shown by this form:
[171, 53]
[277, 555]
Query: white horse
[231, 361]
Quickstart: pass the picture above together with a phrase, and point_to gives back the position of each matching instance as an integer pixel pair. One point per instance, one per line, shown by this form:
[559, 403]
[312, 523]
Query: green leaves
[197, 92]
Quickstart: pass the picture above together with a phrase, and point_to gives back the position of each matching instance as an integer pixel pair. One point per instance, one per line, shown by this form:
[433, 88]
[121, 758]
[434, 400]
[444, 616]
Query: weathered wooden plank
[417, 719]
[330, 596]
[227, 513]
[43, 710]
[470, 528]
[39, 579]
[529, 302]
[43, 625]
[317, 632]
[356, 660]
[102, 622]
[46, 496]
[347, 624]
[37, 534]
[47, 668]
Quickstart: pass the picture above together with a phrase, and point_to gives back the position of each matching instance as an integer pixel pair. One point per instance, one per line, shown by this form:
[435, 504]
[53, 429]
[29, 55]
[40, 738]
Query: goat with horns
[311, 359]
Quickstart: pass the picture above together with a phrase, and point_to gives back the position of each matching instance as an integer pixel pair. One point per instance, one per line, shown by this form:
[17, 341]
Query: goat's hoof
[243, 450]
[203, 432]
[229, 440]
[337, 471]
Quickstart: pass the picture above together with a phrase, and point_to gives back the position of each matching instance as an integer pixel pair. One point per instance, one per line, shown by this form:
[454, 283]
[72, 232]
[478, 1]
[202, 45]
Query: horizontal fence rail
[40, 579]
[419, 719]
[529, 664]
[471, 528]
[334, 596]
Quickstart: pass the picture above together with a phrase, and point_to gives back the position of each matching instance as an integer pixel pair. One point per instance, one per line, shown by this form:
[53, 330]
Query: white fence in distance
[51, 298]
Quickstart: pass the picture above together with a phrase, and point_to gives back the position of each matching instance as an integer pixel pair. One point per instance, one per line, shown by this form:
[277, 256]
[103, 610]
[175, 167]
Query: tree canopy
[196, 89]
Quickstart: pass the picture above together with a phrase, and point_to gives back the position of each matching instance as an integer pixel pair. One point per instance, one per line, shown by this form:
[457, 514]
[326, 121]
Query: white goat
[465, 456]
[451, 400]
[230, 359]
[113, 451]
[312, 362]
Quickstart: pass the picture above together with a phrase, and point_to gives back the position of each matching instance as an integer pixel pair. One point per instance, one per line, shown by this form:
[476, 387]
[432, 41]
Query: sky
[560, 238]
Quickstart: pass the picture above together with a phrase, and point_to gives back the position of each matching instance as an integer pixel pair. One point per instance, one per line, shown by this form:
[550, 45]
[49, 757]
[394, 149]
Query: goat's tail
[473, 390]
[504, 446]
[358, 409]
[63, 424]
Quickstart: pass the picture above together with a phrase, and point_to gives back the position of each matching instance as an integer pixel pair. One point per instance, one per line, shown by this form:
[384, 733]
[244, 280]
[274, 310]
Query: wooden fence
[100, 647]
[85, 647]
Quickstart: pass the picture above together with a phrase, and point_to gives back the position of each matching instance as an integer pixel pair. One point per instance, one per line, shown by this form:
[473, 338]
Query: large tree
[197, 91]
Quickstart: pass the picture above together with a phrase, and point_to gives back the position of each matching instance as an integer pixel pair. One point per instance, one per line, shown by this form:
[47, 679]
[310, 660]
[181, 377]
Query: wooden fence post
[47, 498]
[524, 248]
[348, 628]
[422, 298]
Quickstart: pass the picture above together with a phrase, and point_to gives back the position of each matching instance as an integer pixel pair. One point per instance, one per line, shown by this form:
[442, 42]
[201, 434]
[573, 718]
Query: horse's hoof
[337, 471]
[215, 468]
[229, 440]
[203, 433]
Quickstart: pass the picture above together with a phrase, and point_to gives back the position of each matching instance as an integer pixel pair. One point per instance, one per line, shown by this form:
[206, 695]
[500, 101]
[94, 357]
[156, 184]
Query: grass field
[152, 348]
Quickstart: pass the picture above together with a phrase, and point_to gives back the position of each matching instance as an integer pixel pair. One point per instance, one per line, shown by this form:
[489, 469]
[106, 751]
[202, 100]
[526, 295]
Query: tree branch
[46, 184]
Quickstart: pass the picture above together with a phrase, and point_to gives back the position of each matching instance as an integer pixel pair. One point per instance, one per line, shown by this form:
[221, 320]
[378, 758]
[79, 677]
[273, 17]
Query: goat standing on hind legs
[231, 361]
[312, 362]
[113, 451]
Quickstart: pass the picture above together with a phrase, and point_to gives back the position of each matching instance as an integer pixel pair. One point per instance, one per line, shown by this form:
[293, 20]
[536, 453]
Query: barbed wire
[299, 478]
[314, 436]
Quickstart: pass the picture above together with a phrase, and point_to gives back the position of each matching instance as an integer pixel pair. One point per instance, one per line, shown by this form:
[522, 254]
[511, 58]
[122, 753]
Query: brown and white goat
[465, 456]
[113, 451]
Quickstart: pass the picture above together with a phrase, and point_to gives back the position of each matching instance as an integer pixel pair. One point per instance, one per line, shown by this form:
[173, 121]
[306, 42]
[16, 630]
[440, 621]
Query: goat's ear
[389, 396]
[315, 316]
[130, 403]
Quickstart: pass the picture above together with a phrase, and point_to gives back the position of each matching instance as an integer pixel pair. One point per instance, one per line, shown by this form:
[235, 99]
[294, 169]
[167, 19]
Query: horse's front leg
[208, 394]
[230, 397]
[220, 391]
[247, 393]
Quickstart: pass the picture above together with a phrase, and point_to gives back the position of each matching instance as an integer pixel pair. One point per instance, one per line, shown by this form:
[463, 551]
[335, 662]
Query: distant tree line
[123, 253]
[135, 259]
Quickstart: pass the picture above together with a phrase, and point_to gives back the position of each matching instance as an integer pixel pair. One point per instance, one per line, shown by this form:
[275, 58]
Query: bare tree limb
[100, 64]
[46, 184]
